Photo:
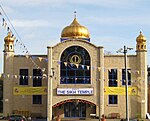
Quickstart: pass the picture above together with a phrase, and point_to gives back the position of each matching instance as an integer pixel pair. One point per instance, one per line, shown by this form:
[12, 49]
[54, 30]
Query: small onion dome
[9, 38]
[75, 30]
[141, 38]
[141, 43]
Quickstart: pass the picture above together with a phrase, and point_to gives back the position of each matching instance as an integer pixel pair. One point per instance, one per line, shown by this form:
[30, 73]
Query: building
[1, 94]
[148, 69]
[74, 79]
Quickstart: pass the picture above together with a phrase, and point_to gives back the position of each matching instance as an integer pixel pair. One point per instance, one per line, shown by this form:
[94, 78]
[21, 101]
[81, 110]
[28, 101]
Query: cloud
[31, 23]
[62, 3]
[105, 39]
[121, 20]
[33, 2]
[8, 9]
[107, 3]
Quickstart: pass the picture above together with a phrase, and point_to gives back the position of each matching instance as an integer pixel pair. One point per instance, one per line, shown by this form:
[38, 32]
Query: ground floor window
[74, 109]
[113, 99]
[37, 99]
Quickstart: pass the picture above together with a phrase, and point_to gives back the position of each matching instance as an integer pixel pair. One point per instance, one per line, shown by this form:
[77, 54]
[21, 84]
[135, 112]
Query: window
[124, 77]
[112, 77]
[37, 77]
[23, 76]
[7, 46]
[10, 46]
[37, 99]
[113, 99]
[75, 66]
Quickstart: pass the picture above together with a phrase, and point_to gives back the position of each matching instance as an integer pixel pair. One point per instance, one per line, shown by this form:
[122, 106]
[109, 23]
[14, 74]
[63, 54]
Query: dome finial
[75, 13]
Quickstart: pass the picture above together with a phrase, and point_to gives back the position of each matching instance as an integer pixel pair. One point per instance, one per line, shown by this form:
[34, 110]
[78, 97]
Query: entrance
[75, 109]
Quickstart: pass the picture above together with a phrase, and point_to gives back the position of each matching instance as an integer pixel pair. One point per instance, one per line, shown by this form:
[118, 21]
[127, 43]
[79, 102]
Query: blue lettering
[61, 92]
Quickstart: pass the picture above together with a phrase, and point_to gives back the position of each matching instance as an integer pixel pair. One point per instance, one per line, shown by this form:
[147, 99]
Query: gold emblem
[75, 59]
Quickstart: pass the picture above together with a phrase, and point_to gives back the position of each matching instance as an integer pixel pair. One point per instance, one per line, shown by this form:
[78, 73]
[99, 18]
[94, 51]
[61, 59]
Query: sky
[111, 23]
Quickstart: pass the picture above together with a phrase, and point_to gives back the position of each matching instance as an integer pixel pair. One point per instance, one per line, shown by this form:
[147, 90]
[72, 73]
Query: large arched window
[75, 66]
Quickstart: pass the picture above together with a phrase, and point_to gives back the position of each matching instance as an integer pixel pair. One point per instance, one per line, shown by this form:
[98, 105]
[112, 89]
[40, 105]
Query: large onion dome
[75, 30]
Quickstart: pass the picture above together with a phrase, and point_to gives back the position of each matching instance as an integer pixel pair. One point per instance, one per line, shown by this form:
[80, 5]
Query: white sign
[75, 91]
[148, 115]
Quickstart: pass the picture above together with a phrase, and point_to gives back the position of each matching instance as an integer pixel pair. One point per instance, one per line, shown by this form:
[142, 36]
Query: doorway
[75, 109]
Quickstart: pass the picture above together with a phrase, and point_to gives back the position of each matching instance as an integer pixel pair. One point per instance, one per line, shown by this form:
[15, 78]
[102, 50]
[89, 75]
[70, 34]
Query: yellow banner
[120, 91]
[43, 90]
[30, 90]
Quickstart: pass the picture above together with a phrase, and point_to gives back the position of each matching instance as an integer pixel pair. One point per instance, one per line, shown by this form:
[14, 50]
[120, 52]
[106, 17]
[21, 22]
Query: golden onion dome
[9, 38]
[141, 38]
[75, 30]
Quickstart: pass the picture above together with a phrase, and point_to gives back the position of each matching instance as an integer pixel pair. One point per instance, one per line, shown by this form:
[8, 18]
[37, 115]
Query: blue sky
[111, 23]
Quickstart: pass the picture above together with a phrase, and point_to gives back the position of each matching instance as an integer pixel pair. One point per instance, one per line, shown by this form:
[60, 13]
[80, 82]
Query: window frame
[36, 99]
[114, 99]
[70, 74]
[114, 76]
[24, 79]
[124, 78]
[37, 78]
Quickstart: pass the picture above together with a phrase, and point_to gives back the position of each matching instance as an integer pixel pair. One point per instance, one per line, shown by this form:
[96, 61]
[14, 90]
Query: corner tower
[8, 72]
[141, 52]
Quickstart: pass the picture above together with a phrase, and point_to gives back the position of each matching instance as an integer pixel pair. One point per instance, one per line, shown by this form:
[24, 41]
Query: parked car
[17, 118]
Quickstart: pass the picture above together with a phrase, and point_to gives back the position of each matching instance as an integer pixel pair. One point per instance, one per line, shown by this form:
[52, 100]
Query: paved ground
[83, 120]
[88, 120]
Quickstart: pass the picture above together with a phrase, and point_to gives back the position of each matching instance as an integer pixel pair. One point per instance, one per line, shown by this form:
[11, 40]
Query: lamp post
[125, 50]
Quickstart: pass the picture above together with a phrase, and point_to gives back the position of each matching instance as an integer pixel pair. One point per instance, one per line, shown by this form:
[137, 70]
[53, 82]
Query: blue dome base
[63, 39]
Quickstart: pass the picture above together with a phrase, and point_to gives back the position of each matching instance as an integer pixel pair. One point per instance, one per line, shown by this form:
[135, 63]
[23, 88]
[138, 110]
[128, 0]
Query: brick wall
[148, 91]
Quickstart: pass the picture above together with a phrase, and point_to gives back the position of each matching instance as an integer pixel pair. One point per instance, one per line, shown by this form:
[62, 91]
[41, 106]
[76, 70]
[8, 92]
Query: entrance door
[72, 109]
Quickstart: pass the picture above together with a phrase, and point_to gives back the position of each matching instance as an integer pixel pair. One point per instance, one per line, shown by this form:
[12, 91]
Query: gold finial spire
[75, 13]
[140, 32]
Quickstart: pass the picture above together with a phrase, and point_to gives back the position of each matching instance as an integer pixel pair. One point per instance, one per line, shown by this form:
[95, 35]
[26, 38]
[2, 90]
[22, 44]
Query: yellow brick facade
[96, 103]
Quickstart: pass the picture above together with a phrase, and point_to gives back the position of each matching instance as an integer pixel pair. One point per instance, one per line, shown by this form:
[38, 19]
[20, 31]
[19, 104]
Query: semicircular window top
[75, 66]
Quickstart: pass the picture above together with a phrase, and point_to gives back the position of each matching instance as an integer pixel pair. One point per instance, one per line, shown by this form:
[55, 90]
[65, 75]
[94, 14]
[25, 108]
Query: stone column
[101, 80]
[142, 68]
[8, 83]
[49, 90]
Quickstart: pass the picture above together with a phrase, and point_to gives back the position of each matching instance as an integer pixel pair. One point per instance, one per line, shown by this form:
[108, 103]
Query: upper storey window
[112, 74]
[37, 77]
[75, 66]
[124, 76]
[23, 76]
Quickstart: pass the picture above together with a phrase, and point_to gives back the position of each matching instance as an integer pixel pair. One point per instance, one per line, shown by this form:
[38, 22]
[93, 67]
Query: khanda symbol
[76, 59]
